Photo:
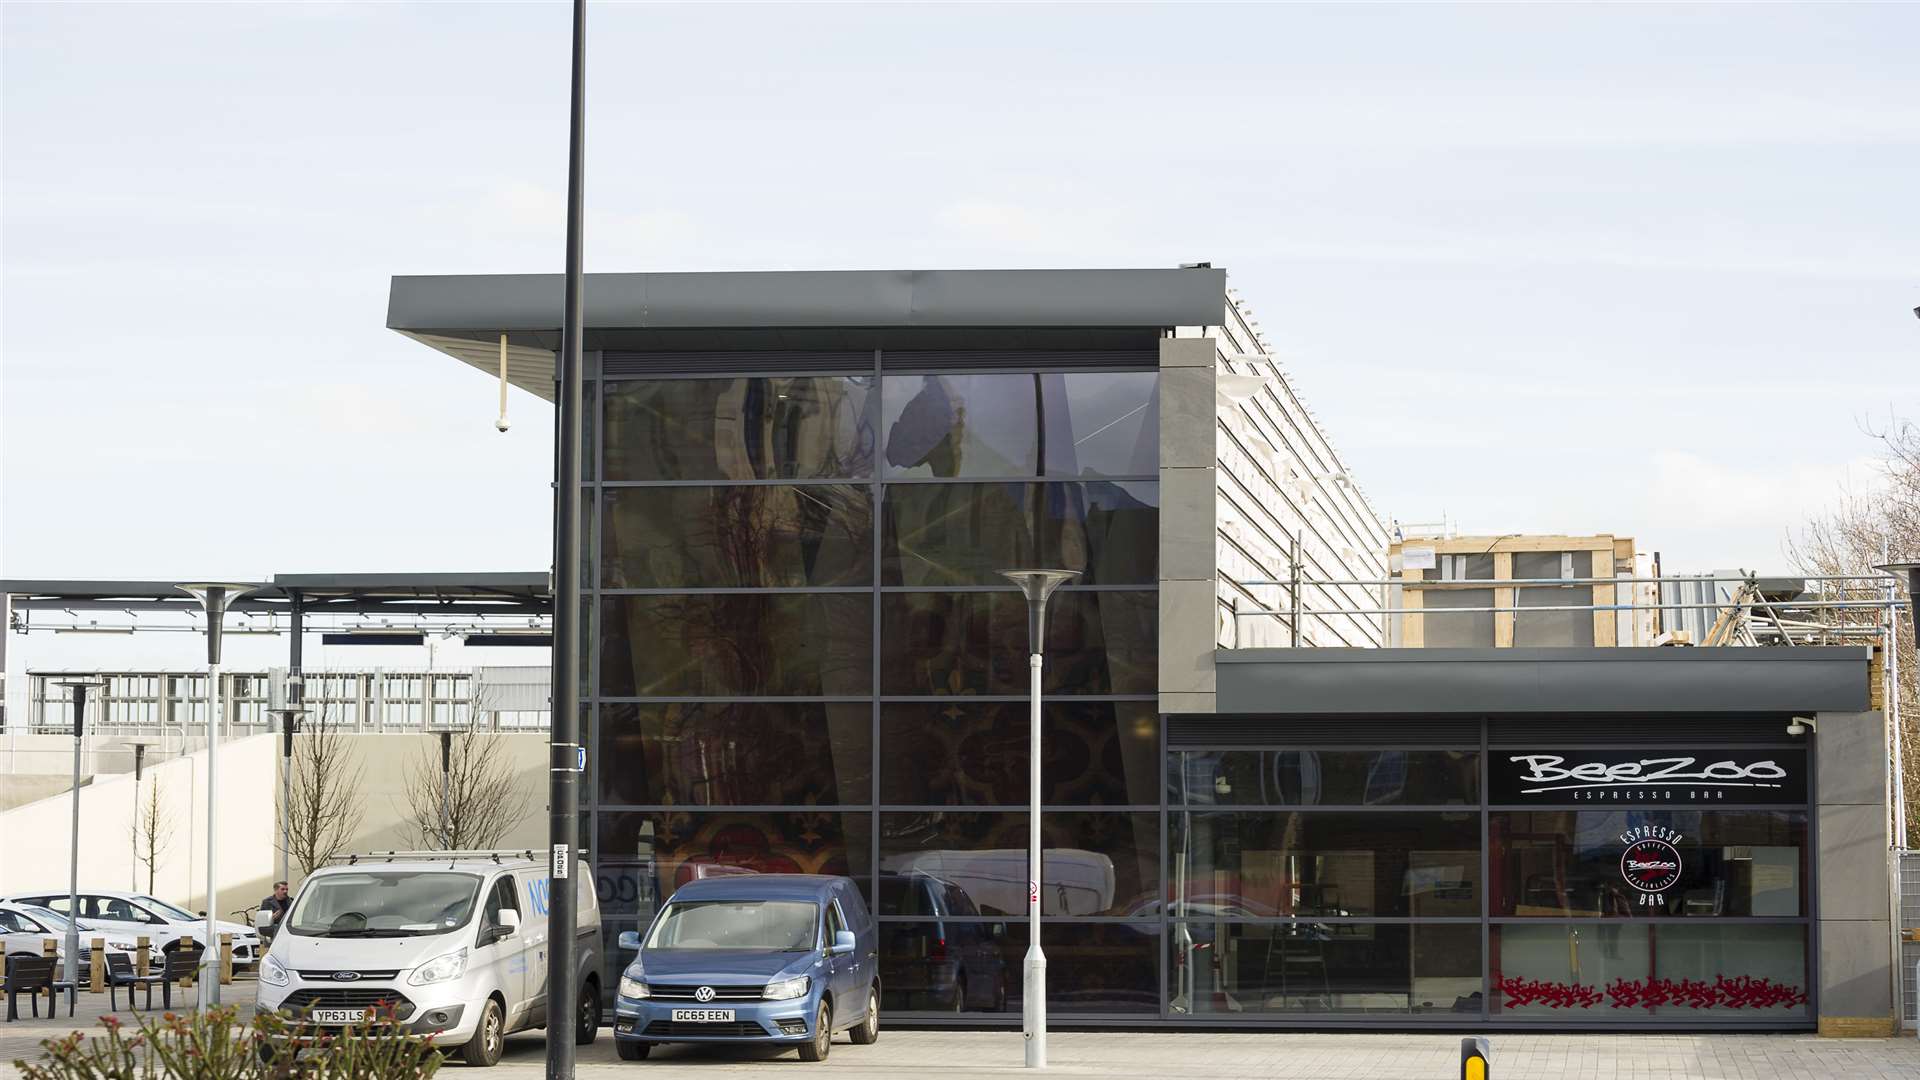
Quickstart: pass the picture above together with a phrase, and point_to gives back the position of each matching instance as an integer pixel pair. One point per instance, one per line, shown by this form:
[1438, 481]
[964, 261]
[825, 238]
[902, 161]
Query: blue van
[759, 958]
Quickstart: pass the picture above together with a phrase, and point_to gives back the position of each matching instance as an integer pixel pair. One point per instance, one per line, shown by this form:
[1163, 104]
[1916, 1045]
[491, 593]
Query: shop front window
[1323, 777]
[1263, 864]
[1626, 970]
[1222, 968]
[1649, 863]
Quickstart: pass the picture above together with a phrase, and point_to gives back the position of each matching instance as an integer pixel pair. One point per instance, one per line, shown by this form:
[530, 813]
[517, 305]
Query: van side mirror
[843, 943]
[509, 920]
[629, 940]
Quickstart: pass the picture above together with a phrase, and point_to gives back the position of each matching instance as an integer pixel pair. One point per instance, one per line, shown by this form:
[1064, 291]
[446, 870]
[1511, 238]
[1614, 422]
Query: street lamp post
[215, 598]
[1037, 585]
[78, 689]
[289, 723]
[1909, 569]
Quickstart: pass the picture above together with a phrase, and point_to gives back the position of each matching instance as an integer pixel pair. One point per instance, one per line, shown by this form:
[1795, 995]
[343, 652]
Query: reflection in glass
[1569, 862]
[1221, 968]
[974, 753]
[976, 643]
[1080, 424]
[701, 754]
[964, 534]
[791, 427]
[1092, 863]
[773, 536]
[1266, 864]
[952, 965]
[643, 856]
[746, 644]
[1323, 777]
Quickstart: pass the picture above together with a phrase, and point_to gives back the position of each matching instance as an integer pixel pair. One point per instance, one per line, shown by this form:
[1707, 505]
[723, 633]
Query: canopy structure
[344, 594]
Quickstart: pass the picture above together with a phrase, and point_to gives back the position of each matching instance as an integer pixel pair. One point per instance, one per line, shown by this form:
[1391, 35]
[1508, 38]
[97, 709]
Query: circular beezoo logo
[1650, 865]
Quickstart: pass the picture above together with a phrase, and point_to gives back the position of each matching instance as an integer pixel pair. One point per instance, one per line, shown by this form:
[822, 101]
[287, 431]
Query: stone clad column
[1854, 927]
[1188, 458]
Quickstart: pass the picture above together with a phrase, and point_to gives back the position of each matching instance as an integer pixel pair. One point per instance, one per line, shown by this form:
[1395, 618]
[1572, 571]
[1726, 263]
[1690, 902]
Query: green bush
[217, 1046]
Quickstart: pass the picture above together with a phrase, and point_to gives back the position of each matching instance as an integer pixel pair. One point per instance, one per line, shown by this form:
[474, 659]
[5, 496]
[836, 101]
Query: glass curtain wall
[805, 660]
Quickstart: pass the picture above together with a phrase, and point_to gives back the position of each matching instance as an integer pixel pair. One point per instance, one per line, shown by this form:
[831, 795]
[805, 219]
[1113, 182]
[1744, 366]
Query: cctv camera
[1800, 725]
[500, 424]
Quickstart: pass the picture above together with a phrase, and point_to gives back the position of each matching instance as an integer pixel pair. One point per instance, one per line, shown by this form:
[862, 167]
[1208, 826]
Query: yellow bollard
[97, 967]
[1474, 1063]
[143, 949]
[186, 946]
[226, 959]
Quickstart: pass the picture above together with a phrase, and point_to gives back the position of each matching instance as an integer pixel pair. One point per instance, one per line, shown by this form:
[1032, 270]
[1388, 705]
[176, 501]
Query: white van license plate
[339, 1016]
[703, 1016]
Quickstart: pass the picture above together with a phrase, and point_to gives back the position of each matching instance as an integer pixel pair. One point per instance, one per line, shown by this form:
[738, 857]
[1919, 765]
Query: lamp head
[215, 597]
[1038, 585]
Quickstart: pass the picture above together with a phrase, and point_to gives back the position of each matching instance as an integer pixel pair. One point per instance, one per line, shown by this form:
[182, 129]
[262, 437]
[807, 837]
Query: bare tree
[326, 804]
[460, 793]
[1866, 528]
[152, 831]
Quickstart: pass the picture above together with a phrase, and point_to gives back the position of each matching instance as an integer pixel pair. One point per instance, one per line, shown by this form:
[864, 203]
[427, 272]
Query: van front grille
[663, 1029]
[349, 997]
[686, 991]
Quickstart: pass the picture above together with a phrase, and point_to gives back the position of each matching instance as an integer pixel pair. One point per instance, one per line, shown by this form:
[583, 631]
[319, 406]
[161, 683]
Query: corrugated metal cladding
[616, 364]
[1188, 731]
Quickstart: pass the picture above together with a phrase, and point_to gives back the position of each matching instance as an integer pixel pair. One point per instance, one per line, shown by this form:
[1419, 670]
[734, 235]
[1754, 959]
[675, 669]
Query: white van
[455, 942]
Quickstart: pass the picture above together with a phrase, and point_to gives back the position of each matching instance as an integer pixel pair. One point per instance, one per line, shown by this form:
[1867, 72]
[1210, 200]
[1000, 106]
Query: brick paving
[960, 1055]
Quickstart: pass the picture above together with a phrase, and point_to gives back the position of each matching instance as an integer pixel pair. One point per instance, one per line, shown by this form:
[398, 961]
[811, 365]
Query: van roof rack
[495, 855]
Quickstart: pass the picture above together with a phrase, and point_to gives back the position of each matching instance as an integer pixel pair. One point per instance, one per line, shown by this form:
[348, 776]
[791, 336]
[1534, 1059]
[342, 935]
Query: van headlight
[273, 972]
[440, 969]
[633, 988]
[787, 989]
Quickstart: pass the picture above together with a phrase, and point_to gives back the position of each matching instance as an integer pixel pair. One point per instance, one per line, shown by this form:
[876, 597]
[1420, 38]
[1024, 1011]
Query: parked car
[944, 962]
[455, 943]
[137, 914]
[24, 928]
[782, 959]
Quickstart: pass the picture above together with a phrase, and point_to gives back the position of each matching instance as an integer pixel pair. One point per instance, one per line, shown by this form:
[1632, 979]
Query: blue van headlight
[787, 989]
[632, 988]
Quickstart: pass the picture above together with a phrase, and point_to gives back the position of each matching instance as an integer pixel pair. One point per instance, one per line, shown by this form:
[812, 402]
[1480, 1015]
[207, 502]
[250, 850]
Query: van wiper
[365, 933]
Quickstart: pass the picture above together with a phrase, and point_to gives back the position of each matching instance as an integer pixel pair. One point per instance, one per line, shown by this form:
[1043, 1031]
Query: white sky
[1547, 269]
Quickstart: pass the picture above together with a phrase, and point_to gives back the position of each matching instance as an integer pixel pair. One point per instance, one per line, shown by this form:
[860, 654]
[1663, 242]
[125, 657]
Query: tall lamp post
[1037, 585]
[1910, 570]
[566, 758]
[77, 688]
[215, 598]
[289, 723]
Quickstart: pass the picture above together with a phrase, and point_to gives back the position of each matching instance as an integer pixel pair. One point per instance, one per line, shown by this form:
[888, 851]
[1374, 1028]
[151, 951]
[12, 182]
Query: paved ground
[961, 1055]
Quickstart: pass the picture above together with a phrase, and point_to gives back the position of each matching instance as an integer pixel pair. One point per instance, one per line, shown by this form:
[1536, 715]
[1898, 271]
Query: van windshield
[397, 903]
[778, 925]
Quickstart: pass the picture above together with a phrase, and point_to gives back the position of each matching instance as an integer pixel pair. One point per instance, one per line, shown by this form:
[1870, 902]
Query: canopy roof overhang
[464, 316]
[347, 594]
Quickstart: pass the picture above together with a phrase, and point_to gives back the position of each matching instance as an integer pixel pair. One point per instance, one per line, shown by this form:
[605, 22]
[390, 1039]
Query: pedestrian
[278, 904]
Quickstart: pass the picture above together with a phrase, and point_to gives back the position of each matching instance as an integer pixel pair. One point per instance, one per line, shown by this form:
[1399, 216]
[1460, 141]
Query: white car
[136, 915]
[23, 929]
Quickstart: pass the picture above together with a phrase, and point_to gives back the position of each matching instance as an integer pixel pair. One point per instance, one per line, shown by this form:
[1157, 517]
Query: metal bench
[29, 975]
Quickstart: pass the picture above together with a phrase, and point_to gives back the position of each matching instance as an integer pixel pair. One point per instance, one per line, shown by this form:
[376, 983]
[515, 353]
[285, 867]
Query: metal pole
[446, 792]
[79, 693]
[1293, 594]
[296, 699]
[1037, 585]
[563, 823]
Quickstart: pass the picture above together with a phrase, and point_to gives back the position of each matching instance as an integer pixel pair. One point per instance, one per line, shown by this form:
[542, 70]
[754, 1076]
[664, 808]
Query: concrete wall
[33, 837]
[1854, 916]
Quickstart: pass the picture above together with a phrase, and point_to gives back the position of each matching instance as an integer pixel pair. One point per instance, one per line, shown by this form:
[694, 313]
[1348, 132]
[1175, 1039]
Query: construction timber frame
[1612, 555]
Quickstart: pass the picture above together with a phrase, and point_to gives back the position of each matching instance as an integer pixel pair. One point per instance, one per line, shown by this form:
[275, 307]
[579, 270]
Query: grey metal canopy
[351, 594]
[464, 315]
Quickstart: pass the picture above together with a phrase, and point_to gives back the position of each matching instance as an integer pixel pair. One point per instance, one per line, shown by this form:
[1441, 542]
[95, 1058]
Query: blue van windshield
[779, 925]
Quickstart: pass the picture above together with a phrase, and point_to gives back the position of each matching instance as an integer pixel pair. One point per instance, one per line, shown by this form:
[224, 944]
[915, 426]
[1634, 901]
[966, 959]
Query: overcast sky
[1627, 269]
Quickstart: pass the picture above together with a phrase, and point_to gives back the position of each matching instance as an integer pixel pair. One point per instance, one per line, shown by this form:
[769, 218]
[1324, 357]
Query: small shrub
[217, 1046]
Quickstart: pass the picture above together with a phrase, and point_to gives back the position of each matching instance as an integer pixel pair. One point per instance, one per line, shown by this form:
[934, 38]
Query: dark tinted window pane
[740, 429]
[1265, 864]
[752, 645]
[975, 753]
[748, 753]
[1224, 968]
[1092, 864]
[976, 643]
[963, 534]
[666, 537]
[1624, 970]
[1579, 862]
[644, 856]
[1083, 424]
[1323, 777]
[948, 966]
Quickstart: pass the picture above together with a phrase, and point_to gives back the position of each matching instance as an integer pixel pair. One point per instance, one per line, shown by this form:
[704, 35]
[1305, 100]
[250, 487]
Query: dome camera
[1800, 725]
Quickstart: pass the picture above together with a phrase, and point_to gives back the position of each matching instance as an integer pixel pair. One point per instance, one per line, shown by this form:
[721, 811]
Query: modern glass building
[801, 659]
